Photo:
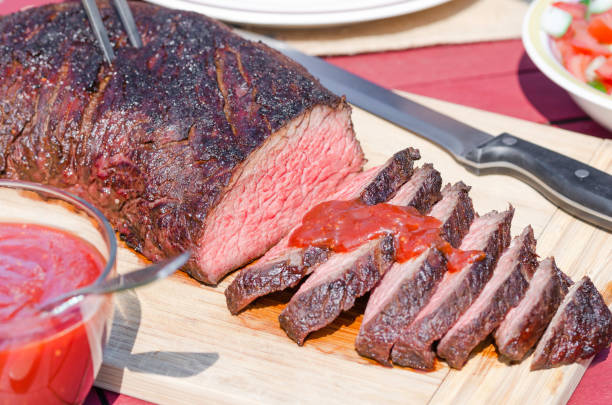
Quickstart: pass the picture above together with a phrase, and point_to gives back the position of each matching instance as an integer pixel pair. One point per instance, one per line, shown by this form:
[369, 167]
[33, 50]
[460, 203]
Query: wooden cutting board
[175, 341]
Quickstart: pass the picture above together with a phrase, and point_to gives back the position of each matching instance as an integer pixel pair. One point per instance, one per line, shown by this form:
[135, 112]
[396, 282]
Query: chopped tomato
[605, 70]
[577, 65]
[583, 42]
[600, 27]
[577, 10]
[566, 51]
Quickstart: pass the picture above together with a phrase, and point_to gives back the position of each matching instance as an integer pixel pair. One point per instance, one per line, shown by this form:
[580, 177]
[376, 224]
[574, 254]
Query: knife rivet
[581, 173]
[508, 140]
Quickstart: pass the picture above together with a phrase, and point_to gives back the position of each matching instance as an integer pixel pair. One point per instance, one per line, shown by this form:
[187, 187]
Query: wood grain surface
[175, 341]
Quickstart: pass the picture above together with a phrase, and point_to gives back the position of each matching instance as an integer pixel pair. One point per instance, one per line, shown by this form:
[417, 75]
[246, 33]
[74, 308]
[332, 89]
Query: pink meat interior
[408, 191]
[444, 208]
[480, 231]
[336, 265]
[349, 189]
[558, 317]
[297, 167]
[506, 265]
[391, 283]
[544, 273]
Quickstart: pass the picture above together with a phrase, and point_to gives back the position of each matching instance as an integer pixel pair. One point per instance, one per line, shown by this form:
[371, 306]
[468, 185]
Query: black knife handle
[575, 187]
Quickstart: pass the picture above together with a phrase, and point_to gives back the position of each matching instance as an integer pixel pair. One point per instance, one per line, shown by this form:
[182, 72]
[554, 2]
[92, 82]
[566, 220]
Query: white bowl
[538, 46]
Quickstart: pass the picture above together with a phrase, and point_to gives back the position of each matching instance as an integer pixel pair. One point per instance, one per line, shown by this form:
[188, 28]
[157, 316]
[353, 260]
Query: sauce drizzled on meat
[342, 226]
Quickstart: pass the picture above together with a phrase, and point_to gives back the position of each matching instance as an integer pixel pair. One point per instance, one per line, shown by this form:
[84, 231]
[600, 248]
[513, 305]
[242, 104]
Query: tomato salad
[582, 34]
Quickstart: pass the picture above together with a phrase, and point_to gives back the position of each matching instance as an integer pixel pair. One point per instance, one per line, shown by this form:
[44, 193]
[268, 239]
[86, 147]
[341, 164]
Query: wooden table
[495, 76]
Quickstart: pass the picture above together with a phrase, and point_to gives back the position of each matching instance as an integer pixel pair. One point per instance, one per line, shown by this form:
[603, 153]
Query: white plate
[303, 13]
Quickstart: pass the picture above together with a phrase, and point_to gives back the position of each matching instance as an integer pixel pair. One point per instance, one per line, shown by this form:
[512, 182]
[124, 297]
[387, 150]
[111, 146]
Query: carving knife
[575, 187]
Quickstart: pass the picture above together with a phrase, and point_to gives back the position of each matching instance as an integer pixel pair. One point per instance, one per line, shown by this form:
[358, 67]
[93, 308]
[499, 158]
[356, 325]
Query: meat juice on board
[343, 226]
[45, 359]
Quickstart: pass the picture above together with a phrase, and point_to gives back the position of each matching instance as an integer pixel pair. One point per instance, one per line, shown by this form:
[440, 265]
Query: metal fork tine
[97, 25]
[128, 22]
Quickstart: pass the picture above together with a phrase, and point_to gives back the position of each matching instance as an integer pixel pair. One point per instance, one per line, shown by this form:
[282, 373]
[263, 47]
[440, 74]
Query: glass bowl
[50, 358]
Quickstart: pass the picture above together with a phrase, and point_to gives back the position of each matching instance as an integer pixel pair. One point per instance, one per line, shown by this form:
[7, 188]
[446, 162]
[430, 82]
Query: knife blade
[575, 187]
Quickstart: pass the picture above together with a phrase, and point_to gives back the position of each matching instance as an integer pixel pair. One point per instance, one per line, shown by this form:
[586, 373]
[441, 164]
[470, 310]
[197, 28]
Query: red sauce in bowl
[343, 226]
[44, 358]
[38, 263]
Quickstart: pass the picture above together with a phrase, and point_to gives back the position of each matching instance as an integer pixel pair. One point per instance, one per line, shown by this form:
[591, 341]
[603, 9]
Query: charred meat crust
[456, 346]
[257, 281]
[319, 305]
[500, 240]
[515, 344]
[581, 328]
[391, 177]
[294, 264]
[154, 139]
[462, 216]
[428, 192]
[414, 348]
[377, 336]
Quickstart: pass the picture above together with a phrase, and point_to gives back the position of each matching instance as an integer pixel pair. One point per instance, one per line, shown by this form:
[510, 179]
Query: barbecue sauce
[343, 226]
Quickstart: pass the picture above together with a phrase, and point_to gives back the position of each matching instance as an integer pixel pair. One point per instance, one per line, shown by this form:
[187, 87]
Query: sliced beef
[455, 211]
[455, 293]
[422, 191]
[284, 266]
[389, 179]
[199, 140]
[581, 327]
[334, 286]
[406, 288]
[503, 292]
[524, 324]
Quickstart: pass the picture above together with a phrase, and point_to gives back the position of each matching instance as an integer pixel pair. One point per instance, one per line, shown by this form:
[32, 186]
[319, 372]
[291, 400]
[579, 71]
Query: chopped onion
[593, 66]
[599, 6]
[555, 21]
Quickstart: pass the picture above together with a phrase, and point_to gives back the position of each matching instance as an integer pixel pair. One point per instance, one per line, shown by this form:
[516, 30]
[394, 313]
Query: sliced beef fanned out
[199, 140]
[503, 292]
[455, 293]
[524, 324]
[407, 286]
[284, 266]
[581, 327]
[335, 284]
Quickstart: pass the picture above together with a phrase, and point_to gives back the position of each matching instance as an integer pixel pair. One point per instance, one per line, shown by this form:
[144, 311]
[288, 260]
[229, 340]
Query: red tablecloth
[494, 76]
